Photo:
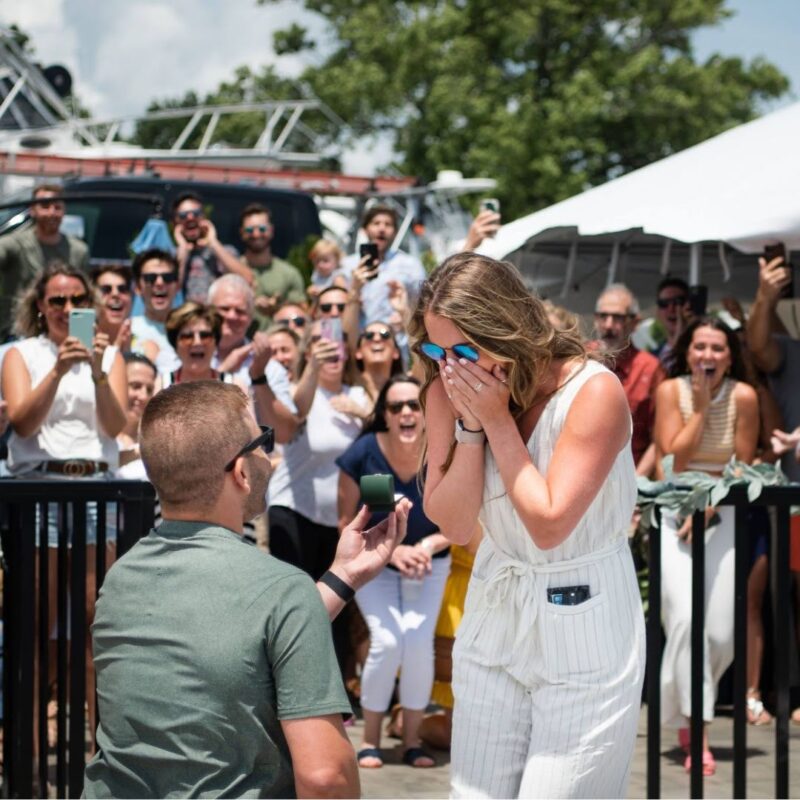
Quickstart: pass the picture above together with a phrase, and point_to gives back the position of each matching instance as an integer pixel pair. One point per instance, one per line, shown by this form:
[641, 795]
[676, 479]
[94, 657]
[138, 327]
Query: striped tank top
[718, 443]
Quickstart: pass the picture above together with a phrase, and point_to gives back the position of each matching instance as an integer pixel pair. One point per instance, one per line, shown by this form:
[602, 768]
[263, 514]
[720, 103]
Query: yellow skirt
[455, 593]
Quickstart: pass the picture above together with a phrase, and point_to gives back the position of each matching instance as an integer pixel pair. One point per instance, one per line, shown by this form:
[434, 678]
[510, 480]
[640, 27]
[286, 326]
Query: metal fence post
[698, 650]
[654, 660]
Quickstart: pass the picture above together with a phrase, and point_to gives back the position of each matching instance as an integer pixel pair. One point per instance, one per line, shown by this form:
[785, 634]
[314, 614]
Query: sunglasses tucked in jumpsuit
[547, 696]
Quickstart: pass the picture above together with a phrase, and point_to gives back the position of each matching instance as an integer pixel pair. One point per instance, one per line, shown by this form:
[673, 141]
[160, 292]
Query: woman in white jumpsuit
[533, 437]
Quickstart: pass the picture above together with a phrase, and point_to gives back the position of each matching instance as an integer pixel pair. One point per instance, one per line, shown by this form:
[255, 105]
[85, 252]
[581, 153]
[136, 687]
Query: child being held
[326, 258]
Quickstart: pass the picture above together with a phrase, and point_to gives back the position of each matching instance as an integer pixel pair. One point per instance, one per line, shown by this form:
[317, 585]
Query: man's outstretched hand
[362, 554]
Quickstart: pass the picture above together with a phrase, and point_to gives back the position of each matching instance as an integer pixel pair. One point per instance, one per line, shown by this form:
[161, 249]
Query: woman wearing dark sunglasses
[377, 357]
[529, 434]
[66, 404]
[402, 603]
[194, 330]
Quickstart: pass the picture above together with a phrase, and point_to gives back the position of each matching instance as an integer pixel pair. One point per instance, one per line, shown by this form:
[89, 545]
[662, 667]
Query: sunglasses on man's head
[76, 300]
[667, 302]
[371, 336]
[266, 441]
[188, 336]
[152, 277]
[298, 320]
[326, 308]
[106, 290]
[191, 212]
[397, 407]
[256, 228]
[437, 353]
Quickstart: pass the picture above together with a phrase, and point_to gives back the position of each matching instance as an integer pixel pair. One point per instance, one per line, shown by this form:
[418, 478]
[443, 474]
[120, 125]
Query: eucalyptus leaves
[687, 492]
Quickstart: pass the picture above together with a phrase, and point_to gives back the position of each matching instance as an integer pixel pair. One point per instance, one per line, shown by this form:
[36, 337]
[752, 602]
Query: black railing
[45, 617]
[781, 498]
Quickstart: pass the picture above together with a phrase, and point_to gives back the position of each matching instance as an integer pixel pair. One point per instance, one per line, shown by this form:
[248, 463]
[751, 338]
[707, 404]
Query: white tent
[691, 214]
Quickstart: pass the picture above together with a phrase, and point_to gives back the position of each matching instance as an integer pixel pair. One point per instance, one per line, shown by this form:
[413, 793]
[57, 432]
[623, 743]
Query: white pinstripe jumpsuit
[547, 697]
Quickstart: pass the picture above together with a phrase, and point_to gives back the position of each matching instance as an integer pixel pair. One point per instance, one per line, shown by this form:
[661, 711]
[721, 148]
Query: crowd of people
[370, 369]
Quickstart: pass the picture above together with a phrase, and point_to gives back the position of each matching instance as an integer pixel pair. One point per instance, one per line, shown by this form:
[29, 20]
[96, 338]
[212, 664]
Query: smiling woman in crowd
[705, 414]
[66, 405]
[377, 357]
[402, 603]
[194, 331]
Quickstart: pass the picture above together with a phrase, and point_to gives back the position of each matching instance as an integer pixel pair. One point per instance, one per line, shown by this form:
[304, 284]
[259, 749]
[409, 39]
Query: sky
[124, 53]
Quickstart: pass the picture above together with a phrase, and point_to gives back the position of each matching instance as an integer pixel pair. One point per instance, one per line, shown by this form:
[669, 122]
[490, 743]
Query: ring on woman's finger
[478, 386]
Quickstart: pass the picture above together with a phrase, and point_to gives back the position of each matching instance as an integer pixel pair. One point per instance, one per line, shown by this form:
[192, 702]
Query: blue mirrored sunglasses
[438, 353]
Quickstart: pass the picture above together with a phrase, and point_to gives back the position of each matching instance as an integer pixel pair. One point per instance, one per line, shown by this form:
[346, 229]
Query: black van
[116, 208]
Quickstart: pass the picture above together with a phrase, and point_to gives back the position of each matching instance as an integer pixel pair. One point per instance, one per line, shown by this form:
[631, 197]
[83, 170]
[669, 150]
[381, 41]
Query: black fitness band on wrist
[338, 586]
[261, 380]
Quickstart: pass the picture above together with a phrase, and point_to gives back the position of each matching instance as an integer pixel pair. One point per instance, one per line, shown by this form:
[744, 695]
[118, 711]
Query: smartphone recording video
[773, 251]
[698, 300]
[370, 249]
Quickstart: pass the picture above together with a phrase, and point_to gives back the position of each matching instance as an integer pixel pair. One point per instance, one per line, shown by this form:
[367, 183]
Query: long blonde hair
[489, 303]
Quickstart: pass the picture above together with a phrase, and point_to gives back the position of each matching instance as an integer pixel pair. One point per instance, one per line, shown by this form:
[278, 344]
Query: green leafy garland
[687, 492]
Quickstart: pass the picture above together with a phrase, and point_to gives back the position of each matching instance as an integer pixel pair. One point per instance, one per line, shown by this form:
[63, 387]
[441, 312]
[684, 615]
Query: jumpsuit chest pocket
[574, 639]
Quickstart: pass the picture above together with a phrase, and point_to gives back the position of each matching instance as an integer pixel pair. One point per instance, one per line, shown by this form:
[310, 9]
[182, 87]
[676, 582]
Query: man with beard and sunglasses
[227, 685]
[24, 254]
[276, 281]
[155, 274]
[202, 258]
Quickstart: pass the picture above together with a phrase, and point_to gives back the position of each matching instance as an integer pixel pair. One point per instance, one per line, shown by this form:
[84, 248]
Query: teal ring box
[377, 491]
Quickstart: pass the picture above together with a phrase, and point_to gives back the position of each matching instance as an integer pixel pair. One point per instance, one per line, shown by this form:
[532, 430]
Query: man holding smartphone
[371, 274]
[227, 684]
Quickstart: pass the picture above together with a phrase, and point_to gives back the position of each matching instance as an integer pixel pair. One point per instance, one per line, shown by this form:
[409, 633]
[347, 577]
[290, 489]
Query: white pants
[559, 717]
[401, 615]
[676, 610]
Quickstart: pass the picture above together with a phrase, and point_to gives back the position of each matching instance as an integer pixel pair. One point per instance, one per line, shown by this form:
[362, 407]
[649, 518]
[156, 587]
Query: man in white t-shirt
[155, 273]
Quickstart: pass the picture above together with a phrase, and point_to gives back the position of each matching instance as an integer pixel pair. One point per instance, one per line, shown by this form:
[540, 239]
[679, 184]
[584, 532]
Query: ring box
[377, 491]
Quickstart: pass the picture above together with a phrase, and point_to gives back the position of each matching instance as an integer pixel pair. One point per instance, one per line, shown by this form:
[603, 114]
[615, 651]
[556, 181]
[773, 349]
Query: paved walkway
[397, 780]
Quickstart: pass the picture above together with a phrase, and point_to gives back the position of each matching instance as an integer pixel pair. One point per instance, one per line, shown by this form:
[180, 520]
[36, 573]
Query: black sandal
[369, 752]
[413, 754]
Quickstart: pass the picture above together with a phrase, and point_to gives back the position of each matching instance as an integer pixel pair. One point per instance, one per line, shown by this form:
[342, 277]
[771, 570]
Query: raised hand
[362, 554]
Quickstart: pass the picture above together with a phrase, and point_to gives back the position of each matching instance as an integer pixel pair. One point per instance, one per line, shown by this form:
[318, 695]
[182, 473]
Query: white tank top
[605, 521]
[71, 428]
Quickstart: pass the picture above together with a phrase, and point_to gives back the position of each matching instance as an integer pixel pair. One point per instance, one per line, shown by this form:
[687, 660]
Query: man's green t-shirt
[280, 279]
[202, 644]
[23, 257]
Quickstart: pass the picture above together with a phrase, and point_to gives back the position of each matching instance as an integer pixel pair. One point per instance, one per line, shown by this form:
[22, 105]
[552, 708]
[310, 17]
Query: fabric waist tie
[528, 594]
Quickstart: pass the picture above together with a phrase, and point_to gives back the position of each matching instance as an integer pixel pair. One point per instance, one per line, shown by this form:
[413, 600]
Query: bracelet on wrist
[341, 589]
[465, 436]
[101, 379]
[261, 380]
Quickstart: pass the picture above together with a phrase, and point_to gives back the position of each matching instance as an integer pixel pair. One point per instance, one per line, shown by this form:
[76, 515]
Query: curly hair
[27, 319]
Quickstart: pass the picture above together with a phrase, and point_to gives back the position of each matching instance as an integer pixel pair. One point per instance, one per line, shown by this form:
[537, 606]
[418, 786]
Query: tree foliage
[548, 96]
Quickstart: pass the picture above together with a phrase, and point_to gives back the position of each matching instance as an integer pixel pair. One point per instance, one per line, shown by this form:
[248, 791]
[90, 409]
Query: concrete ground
[397, 780]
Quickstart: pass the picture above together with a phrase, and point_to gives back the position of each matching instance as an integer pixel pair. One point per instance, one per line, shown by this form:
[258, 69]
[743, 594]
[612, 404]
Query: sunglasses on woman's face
[75, 300]
[371, 336]
[326, 308]
[398, 406]
[298, 321]
[106, 290]
[437, 353]
[188, 336]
